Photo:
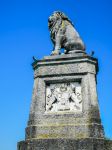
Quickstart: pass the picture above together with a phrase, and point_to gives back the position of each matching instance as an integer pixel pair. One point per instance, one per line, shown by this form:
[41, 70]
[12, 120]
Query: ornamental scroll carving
[64, 97]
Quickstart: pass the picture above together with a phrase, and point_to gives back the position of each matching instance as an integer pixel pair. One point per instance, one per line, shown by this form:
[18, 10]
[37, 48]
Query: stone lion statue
[63, 34]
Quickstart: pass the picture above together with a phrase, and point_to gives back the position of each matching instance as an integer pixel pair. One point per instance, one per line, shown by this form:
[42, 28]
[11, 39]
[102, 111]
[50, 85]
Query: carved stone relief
[64, 97]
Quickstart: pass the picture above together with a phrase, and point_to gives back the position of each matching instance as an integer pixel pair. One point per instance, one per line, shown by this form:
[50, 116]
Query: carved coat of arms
[63, 97]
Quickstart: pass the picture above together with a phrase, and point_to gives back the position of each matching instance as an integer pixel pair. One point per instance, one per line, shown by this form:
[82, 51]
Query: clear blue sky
[24, 33]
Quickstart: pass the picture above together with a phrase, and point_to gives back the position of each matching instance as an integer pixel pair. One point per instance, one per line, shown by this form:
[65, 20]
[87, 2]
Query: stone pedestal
[64, 112]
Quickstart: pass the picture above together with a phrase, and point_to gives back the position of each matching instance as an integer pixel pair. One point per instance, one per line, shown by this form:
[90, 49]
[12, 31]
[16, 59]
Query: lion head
[55, 21]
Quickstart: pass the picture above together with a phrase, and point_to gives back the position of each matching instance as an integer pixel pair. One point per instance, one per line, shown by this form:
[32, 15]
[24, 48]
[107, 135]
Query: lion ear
[63, 15]
[58, 14]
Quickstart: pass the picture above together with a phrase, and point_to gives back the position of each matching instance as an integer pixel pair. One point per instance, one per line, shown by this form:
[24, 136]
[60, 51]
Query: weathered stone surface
[65, 65]
[66, 144]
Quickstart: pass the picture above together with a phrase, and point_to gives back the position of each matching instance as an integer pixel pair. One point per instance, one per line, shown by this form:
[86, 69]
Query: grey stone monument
[64, 112]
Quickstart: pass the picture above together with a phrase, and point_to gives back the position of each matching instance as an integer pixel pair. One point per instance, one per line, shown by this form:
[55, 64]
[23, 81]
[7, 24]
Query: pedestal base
[66, 144]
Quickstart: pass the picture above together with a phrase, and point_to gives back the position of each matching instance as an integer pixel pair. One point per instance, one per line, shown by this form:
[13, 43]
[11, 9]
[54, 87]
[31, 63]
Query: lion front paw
[55, 52]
